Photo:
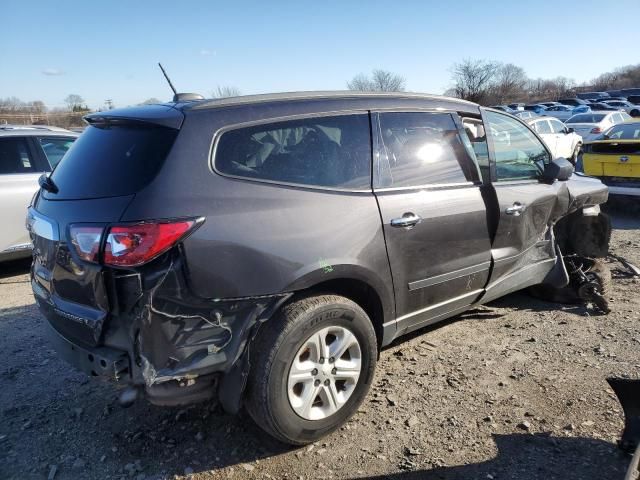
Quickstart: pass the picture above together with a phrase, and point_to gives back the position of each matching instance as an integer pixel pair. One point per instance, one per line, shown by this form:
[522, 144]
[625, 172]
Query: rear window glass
[630, 131]
[586, 118]
[109, 161]
[332, 152]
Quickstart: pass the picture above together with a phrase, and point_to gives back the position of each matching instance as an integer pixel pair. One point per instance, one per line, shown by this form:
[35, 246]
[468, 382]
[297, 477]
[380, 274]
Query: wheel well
[360, 292]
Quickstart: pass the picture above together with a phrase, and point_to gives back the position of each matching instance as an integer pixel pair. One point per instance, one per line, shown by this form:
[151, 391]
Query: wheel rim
[324, 373]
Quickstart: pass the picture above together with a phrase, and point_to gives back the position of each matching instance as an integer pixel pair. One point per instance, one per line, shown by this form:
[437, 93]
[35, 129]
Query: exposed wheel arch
[358, 291]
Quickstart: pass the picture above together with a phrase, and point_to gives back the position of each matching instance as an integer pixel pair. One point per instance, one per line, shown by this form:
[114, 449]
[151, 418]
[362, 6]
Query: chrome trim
[438, 305]
[445, 277]
[17, 248]
[634, 192]
[433, 186]
[41, 226]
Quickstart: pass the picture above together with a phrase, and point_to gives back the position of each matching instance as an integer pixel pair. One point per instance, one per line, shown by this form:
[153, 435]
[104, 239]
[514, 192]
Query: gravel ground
[512, 390]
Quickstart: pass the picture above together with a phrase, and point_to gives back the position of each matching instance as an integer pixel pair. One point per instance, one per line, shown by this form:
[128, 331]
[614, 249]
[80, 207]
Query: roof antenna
[168, 80]
[179, 97]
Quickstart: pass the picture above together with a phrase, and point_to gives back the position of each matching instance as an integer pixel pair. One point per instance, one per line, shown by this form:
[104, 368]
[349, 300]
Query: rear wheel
[576, 152]
[311, 367]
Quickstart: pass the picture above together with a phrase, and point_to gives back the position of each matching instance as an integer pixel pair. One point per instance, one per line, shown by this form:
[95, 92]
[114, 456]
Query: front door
[433, 214]
[522, 248]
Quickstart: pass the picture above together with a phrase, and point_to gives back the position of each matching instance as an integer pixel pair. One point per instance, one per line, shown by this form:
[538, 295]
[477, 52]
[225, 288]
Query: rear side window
[14, 156]
[109, 161]
[333, 152]
[55, 148]
[422, 149]
[587, 118]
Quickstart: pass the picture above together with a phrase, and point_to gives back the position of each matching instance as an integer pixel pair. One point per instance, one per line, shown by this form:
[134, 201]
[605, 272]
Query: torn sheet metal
[179, 336]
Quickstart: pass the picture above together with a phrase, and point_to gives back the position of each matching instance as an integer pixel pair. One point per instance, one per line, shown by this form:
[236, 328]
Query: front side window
[557, 127]
[15, 157]
[55, 148]
[421, 149]
[332, 152]
[542, 127]
[519, 155]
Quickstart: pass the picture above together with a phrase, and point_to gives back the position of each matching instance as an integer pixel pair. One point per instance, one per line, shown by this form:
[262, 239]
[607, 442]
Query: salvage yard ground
[512, 390]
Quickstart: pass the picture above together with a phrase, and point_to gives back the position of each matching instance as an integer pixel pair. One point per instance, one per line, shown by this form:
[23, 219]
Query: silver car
[25, 153]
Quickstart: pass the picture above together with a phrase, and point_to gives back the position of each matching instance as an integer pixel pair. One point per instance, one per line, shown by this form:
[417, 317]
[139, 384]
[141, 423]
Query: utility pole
[109, 103]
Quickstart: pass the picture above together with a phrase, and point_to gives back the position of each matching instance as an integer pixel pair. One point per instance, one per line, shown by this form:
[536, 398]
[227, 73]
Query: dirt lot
[513, 390]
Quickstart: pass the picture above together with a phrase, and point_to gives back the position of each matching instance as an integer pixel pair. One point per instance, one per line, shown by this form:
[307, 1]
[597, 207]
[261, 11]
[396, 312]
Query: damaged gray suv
[261, 250]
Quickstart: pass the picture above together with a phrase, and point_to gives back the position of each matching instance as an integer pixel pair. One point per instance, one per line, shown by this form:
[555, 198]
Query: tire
[576, 152]
[570, 294]
[635, 113]
[270, 396]
[590, 236]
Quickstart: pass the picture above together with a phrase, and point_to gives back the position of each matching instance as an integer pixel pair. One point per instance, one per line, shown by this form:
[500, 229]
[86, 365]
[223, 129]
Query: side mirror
[559, 169]
[569, 130]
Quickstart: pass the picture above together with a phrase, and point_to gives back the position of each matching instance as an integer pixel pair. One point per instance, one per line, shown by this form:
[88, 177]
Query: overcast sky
[100, 51]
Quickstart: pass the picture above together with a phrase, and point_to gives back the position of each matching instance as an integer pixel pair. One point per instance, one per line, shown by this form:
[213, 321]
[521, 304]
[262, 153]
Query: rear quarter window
[331, 152]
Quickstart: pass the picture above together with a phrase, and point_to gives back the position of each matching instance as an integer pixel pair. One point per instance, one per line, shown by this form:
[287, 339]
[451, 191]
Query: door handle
[407, 220]
[516, 209]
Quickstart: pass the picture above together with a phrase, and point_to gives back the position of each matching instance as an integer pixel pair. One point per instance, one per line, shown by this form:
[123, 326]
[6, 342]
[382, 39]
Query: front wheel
[311, 367]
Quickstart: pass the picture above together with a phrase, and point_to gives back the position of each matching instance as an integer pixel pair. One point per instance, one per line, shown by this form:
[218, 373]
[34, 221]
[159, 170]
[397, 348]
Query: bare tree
[473, 79]
[74, 101]
[507, 84]
[224, 91]
[38, 106]
[380, 81]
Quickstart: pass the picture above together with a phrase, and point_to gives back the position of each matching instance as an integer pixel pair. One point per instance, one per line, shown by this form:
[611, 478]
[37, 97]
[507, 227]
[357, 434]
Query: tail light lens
[596, 130]
[86, 240]
[128, 245]
[132, 245]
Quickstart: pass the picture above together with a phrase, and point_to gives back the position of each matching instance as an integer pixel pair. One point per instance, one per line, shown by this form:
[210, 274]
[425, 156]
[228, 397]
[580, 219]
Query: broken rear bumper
[158, 337]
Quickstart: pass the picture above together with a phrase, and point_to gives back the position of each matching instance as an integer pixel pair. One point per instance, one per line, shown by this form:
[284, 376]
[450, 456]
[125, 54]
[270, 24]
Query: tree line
[482, 81]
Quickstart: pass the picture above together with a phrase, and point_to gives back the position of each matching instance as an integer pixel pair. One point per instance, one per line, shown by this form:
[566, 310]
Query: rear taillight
[132, 245]
[128, 245]
[86, 240]
[596, 130]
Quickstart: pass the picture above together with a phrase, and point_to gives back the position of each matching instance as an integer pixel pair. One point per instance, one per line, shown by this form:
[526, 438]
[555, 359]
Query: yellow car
[614, 157]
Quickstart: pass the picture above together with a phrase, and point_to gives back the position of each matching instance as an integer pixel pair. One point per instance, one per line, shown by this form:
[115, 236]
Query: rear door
[434, 219]
[564, 140]
[522, 248]
[19, 172]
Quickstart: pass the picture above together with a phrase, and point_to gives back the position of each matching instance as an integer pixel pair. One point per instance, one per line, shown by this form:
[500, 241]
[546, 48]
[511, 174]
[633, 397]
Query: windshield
[586, 118]
[630, 131]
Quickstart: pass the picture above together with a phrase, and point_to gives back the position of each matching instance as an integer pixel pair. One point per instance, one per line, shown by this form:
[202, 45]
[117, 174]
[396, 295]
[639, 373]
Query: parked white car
[25, 153]
[630, 108]
[591, 125]
[561, 140]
